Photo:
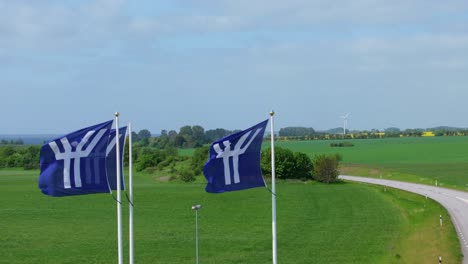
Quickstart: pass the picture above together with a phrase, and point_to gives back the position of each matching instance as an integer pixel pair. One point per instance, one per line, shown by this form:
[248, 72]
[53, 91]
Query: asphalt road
[456, 203]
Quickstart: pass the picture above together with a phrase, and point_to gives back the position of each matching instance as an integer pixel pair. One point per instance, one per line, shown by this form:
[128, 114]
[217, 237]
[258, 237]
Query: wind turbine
[345, 122]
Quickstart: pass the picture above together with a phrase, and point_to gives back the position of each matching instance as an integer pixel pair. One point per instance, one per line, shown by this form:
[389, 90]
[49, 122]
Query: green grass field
[317, 223]
[421, 160]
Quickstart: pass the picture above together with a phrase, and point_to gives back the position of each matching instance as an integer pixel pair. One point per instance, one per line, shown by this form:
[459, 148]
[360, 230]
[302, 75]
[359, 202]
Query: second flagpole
[119, 204]
[130, 190]
[273, 188]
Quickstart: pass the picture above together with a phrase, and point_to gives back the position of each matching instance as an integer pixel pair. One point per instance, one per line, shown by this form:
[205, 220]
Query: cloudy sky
[65, 64]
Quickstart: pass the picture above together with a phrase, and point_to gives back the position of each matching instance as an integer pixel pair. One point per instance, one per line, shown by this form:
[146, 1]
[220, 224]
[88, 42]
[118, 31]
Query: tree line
[288, 164]
[17, 141]
[20, 157]
[187, 137]
[161, 154]
[305, 133]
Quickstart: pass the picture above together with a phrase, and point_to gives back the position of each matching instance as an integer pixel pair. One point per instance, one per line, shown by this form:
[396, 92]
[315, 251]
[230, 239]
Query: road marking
[457, 227]
[464, 200]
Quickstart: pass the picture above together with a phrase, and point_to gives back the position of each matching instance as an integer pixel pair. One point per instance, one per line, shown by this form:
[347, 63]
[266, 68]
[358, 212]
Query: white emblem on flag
[76, 155]
[234, 153]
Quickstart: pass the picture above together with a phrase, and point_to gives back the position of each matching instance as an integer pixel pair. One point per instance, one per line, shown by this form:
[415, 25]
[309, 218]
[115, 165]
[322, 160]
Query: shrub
[14, 161]
[146, 161]
[166, 163]
[289, 165]
[187, 175]
[342, 144]
[326, 167]
[150, 157]
[31, 158]
[199, 158]
[150, 170]
[284, 163]
[303, 167]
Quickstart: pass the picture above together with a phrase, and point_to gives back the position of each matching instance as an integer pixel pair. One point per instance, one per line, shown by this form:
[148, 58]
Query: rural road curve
[456, 203]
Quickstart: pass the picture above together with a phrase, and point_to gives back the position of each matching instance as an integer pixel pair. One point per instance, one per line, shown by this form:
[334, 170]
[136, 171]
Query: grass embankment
[420, 160]
[339, 223]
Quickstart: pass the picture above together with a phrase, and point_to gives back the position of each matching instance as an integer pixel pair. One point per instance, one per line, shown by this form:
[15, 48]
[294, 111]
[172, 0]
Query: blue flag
[234, 161]
[75, 164]
[111, 166]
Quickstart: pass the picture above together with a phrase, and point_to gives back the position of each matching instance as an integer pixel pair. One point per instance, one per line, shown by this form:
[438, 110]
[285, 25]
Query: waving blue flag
[234, 161]
[75, 164]
[112, 161]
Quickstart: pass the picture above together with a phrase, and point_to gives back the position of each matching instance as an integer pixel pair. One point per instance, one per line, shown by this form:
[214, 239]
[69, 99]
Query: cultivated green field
[421, 160]
[338, 223]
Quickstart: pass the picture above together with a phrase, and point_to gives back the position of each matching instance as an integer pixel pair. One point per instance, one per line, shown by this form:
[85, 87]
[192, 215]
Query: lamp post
[196, 208]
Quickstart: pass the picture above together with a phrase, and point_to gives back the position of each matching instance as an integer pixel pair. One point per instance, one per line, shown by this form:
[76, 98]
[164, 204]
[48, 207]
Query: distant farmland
[421, 160]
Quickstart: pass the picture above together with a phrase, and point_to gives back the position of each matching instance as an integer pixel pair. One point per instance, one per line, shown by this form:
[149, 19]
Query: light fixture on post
[196, 208]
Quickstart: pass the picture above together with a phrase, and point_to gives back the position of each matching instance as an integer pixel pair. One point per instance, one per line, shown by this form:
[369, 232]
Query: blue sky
[226, 63]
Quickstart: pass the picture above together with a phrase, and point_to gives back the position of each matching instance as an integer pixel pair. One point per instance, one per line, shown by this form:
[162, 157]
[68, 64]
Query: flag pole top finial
[116, 114]
[272, 113]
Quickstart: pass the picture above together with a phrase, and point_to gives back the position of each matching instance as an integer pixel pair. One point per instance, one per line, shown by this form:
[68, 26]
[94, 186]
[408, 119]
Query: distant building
[380, 134]
[428, 134]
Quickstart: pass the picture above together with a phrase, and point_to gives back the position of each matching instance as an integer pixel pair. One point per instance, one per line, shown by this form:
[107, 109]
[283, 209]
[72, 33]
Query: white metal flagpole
[130, 191]
[273, 188]
[119, 204]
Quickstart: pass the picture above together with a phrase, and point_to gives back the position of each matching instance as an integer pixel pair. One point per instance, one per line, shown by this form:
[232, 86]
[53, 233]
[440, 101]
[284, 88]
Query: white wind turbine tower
[345, 122]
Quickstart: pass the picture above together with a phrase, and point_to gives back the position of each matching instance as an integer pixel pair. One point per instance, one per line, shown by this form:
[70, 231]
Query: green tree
[144, 135]
[161, 142]
[186, 133]
[14, 161]
[145, 161]
[392, 132]
[5, 154]
[215, 134]
[180, 141]
[149, 157]
[31, 158]
[7, 151]
[135, 136]
[296, 131]
[326, 167]
[303, 166]
[199, 158]
[172, 135]
[284, 163]
[198, 134]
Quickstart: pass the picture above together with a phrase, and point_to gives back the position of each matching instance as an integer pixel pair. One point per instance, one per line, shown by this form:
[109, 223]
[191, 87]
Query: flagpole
[130, 190]
[273, 188]
[119, 205]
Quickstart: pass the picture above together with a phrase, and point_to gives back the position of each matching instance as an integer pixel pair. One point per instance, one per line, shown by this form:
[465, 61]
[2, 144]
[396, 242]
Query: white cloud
[146, 25]
[35, 25]
[19, 20]
[104, 9]
[423, 51]
[294, 13]
[104, 27]
[212, 23]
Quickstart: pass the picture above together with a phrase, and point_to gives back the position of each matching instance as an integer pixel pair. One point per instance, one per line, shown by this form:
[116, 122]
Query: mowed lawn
[421, 160]
[317, 223]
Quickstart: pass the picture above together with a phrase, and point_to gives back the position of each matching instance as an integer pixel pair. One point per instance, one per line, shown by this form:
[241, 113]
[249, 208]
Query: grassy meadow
[420, 160]
[317, 223]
